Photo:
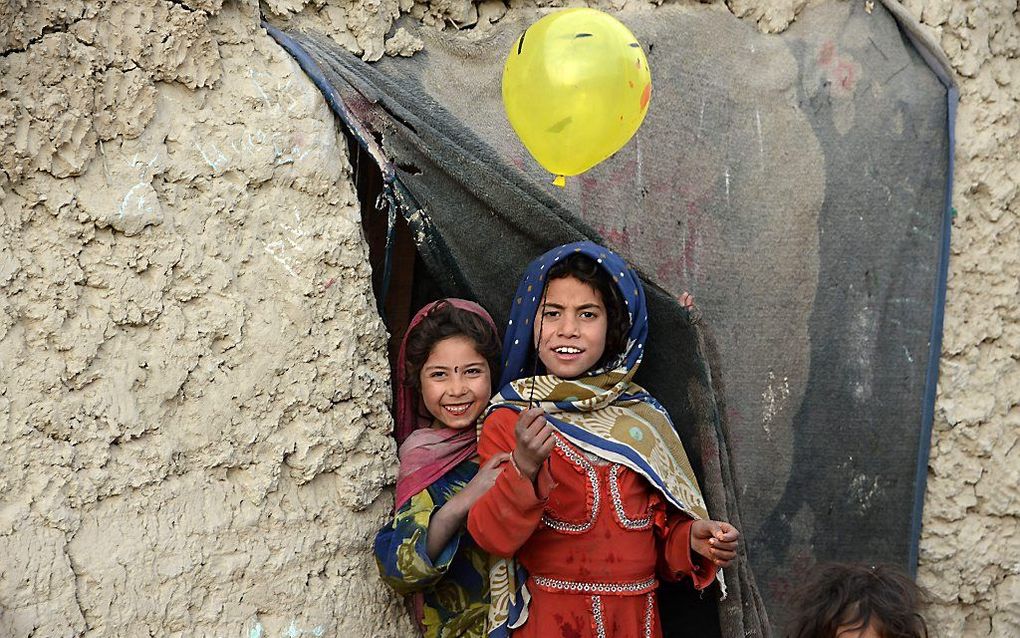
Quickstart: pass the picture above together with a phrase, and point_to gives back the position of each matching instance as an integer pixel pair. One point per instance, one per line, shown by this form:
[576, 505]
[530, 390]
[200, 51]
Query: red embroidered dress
[593, 536]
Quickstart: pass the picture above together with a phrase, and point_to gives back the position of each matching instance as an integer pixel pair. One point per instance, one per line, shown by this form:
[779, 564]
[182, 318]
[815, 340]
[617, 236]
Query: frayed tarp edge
[937, 61]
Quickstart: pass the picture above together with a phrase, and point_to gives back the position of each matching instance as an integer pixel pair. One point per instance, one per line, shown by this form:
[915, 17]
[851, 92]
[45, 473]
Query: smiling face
[573, 328]
[455, 382]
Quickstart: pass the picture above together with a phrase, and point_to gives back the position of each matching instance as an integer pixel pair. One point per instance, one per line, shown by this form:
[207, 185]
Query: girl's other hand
[484, 479]
[535, 441]
[715, 540]
[453, 515]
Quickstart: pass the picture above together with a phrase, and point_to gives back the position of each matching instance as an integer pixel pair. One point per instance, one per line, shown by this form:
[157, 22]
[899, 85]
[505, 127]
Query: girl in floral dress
[444, 381]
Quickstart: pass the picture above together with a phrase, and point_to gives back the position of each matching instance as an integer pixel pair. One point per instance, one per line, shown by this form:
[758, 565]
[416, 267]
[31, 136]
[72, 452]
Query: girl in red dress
[599, 501]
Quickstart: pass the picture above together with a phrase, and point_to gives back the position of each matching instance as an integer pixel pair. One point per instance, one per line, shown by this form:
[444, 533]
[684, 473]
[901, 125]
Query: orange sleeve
[506, 516]
[678, 559]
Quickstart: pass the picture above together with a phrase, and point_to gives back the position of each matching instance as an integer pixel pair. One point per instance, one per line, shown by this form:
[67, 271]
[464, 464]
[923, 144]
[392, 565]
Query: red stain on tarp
[845, 74]
[842, 71]
[616, 238]
[827, 52]
[620, 175]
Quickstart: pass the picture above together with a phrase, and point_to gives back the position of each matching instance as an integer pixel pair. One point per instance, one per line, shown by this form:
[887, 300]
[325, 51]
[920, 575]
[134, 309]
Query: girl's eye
[551, 313]
[588, 315]
[473, 371]
[435, 374]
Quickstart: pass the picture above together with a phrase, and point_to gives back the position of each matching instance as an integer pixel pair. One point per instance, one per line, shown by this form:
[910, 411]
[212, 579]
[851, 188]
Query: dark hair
[587, 271]
[854, 596]
[442, 322]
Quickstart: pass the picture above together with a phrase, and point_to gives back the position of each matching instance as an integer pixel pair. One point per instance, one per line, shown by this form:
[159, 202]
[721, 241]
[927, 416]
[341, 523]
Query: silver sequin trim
[593, 481]
[596, 612]
[649, 607]
[582, 587]
[600, 620]
[614, 491]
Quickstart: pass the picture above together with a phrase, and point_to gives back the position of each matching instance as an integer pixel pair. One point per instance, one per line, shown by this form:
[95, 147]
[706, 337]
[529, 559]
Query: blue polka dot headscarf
[518, 348]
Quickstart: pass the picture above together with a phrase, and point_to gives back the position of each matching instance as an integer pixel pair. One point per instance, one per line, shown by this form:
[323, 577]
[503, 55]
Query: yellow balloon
[576, 87]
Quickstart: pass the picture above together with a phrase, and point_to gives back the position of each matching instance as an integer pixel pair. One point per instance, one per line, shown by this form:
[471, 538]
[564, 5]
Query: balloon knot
[560, 181]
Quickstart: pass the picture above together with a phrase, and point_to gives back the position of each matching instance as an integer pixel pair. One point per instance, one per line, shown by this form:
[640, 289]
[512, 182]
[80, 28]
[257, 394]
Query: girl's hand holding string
[535, 441]
[715, 540]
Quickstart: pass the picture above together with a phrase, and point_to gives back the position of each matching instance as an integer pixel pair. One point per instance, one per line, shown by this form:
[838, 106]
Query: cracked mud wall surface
[970, 544]
[193, 385]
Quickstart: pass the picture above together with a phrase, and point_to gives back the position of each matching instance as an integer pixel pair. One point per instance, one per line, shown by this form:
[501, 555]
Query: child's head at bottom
[857, 601]
[583, 320]
[450, 357]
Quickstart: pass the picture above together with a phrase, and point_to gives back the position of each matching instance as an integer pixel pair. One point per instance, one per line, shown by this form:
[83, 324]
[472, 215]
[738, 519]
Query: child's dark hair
[845, 596]
[442, 322]
[586, 270]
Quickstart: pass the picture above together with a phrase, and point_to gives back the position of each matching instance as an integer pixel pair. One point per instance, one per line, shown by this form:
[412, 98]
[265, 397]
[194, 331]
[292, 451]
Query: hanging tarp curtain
[796, 184]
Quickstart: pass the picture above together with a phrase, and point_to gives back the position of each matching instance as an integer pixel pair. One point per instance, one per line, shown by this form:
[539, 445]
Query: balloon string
[541, 327]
